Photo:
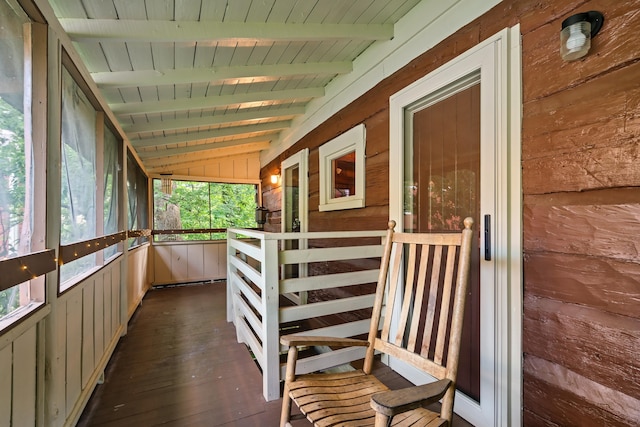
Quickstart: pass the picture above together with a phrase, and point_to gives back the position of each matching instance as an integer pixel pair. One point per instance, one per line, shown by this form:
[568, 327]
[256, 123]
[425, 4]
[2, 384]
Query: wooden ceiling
[190, 80]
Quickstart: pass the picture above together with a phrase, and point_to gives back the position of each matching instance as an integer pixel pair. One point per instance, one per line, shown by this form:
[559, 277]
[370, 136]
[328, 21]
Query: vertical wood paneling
[226, 169]
[240, 168]
[222, 262]
[179, 260]
[115, 301]
[73, 351]
[24, 379]
[212, 169]
[195, 261]
[162, 263]
[107, 303]
[59, 362]
[215, 261]
[196, 171]
[137, 280]
[88, 332]
[184, 171]
[98, 315]
[5, 385]
[253, 167]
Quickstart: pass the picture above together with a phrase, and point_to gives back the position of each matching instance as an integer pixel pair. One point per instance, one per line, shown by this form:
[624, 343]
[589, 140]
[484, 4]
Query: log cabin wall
[581, 202]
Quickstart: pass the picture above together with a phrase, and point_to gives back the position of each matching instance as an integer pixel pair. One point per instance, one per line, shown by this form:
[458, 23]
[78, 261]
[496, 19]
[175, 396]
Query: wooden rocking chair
[426, 335]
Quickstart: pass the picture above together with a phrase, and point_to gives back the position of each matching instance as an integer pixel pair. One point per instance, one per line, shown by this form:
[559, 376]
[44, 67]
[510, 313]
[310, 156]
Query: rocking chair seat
[345, 399]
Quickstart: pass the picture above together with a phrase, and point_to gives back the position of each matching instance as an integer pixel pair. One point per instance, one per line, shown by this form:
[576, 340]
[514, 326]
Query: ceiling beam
[155, 154]
[196, 122]
[216, 75]
[241, 99]
[248, 130]
[121, 30]
[191, 159]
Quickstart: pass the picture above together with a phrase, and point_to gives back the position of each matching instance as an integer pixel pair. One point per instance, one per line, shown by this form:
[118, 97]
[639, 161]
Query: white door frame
[301, 158]
[498, 59]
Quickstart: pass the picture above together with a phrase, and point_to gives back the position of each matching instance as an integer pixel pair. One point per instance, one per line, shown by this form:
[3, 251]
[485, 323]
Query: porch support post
[270, 322]
[54, 325]
[231, 269]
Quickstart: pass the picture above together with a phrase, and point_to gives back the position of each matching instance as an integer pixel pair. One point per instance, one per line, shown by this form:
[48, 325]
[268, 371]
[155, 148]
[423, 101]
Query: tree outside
[12, 194]
[202, 205]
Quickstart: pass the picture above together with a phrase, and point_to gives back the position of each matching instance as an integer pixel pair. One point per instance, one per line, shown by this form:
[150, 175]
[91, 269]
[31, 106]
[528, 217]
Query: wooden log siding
[581, 191]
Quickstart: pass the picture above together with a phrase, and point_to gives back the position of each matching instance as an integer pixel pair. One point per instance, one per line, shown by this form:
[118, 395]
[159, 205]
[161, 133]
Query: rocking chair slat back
[421, 291]
[424, 319]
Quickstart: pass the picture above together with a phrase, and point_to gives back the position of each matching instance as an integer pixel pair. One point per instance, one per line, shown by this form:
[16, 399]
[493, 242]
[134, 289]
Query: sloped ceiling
[191, 80]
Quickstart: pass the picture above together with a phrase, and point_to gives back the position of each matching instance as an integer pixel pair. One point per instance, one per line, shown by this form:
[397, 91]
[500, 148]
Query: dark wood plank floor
[180, 365]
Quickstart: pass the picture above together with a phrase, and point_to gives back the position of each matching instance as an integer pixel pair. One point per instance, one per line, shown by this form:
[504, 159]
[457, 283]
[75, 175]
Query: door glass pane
[442, 188]
[291, 189]
[442, 184]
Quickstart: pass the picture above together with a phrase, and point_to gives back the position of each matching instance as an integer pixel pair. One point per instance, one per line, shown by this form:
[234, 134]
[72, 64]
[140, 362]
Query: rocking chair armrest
[395, 402]
[296, 340]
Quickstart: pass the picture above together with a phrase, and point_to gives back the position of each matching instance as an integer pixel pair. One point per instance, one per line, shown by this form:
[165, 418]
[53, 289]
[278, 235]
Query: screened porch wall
[84, 325]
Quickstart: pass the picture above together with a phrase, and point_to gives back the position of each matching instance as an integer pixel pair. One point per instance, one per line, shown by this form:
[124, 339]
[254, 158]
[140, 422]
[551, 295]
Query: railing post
[231, 253]
[270, 322]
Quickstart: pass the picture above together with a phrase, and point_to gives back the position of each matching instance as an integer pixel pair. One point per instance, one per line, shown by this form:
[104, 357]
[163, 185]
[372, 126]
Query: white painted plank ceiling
[193, 79]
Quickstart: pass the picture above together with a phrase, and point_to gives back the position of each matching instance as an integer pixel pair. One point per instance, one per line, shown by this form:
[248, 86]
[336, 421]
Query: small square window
[342, 171]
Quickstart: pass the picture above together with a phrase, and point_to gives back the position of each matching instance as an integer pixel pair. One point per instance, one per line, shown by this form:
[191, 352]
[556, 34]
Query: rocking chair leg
[382, 420]
[285, 415]
[290, 375]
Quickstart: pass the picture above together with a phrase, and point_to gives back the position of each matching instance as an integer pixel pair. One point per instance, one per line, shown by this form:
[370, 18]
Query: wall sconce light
[577, 32]
[275, 178]
[261, 216]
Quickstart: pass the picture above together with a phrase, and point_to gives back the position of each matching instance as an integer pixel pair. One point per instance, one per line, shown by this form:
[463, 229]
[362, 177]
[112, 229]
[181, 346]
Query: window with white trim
[342, 171]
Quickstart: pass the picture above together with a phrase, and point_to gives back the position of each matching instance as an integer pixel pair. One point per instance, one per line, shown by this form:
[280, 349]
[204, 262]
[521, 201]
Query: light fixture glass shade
[576, 34]
[274, 179]
[575, 41]
[261, 215]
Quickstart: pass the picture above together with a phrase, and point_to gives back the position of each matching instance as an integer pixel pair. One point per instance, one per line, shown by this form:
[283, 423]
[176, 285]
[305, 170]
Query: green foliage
[12, 191]
[12, 175]
[77, 202]
[9, 300]
[198, 205]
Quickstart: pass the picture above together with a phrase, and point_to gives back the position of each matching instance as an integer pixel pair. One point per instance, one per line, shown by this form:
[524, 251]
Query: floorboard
[180, 365]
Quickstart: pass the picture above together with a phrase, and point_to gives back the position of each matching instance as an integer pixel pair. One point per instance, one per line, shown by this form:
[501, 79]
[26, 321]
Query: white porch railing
[255, 262]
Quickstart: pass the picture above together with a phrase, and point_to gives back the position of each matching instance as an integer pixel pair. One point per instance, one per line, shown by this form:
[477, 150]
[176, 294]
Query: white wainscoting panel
[24, 378]
[189, 262]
